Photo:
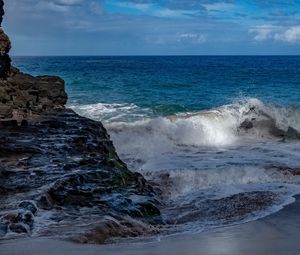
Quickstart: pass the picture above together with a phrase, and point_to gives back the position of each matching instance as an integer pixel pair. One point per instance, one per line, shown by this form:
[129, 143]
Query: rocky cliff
[59, 173]
[23, 96]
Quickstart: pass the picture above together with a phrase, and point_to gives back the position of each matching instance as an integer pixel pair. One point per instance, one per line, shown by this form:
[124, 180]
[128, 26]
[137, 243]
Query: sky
[153, 27]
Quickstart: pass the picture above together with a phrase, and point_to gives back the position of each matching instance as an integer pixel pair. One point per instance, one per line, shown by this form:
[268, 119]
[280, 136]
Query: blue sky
[153, 27]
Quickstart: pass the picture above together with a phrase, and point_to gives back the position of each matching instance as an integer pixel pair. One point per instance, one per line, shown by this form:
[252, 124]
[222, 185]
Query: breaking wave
[218, 127]
[240, 152]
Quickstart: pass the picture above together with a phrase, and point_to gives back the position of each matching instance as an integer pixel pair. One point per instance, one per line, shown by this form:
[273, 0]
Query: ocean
[211, 132]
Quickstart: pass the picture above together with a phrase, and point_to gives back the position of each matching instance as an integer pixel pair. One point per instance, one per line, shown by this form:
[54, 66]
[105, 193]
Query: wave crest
[217, 127]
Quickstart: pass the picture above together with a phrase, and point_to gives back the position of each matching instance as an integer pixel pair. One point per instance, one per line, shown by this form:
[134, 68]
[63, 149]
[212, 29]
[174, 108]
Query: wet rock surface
[264, 125]
[225, 210]
[64, 167]
[59, 173]
[286, 171]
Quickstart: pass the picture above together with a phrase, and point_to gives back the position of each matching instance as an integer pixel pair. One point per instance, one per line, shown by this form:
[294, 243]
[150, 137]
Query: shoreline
[275, 234]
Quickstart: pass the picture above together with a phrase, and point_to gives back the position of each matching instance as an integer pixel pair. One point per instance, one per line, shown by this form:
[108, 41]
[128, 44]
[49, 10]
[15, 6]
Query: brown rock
[5, 44]
[5, 112]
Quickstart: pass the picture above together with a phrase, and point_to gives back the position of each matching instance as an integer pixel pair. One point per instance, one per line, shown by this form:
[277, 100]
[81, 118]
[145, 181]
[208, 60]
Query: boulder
[19, 228]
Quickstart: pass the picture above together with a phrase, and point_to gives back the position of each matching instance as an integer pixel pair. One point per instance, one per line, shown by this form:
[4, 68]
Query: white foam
[216, 127]
[110, 112]
[206, 152]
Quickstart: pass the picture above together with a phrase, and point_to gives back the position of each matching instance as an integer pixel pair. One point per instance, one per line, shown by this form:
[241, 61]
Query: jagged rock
[17, 217]
[28, 205]
[26, 217]
[23, 96]
[5, 44]
[67, 164]
[45, 202]
[52, 159]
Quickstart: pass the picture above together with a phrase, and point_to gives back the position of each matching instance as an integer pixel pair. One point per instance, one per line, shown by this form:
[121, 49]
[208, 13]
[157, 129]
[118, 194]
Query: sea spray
[222, 156]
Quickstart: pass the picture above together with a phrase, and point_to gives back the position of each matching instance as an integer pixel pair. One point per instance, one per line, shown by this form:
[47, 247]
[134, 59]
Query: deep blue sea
[168, 85]
[212, 126]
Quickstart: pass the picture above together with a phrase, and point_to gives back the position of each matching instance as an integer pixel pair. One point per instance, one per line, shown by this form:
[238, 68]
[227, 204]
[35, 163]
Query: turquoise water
[168, 85]
[179, 121]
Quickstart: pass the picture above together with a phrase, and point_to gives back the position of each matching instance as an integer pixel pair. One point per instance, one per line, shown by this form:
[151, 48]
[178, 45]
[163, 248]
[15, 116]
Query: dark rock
[97, 182]
[19, 228]
[8, 123]
[26, 217]
[266, 126]
[292, 133]
[55, 160]
[28, 205]
[11, 217]
[295, 171]
[23, 96]
[70, 166]
[3, 228]
[24, 123]
[246, 124]
[6, 111]
[45, 202]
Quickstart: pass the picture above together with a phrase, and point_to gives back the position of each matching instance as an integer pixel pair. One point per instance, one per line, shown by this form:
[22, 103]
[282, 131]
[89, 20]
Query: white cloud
[219, 6]
[263, 32]
[277, 33]
[191, 38]
[291, 35]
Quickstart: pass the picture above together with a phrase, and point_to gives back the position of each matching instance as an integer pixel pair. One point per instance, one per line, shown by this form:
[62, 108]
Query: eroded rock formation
[60, 176]
[59, 173]
[23, 96]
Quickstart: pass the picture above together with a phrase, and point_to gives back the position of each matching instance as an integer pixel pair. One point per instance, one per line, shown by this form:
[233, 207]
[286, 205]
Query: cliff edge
[23, 96]
[60, 175]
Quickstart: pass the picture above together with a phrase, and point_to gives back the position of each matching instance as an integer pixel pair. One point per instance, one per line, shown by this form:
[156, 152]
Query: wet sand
[275, 234]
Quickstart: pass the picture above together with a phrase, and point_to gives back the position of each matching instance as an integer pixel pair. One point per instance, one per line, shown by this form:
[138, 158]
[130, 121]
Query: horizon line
[167, 55]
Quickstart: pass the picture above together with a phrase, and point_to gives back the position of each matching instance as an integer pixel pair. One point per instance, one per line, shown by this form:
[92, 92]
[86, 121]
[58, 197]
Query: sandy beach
[275, 234]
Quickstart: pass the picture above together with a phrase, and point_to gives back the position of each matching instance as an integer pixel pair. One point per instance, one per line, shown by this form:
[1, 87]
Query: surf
[229, 154]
